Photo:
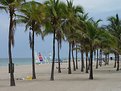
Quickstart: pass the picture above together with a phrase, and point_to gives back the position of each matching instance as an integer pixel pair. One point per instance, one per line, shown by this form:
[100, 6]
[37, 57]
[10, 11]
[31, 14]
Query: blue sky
[99, 9]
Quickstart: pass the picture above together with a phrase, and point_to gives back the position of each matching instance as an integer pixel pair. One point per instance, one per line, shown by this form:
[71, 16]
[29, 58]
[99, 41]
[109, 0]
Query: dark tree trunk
[69, 62]
[11, 65]
[59, 69]
[105, 60]
[53, 61]
[91, 63]
[97, 60]
[76, 59]
[33, 61]
[100, 59]
[82, 61]
[86, 62]
[73, 59]
[108, 59]
[115, 60]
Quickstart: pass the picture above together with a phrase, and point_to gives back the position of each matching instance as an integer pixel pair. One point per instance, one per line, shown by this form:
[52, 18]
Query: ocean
[27, 61]
[16, 61]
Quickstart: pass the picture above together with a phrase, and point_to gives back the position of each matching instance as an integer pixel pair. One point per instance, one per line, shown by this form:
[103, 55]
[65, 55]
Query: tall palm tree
[59, 37]
[115, 29]
[83, 40]
[11, 6]
[95, 35]
[71, 24]
[33, 16]
[55, 13]
[96, 24]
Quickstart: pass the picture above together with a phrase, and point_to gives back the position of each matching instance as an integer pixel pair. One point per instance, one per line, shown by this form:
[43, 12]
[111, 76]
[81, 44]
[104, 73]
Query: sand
[106, 78]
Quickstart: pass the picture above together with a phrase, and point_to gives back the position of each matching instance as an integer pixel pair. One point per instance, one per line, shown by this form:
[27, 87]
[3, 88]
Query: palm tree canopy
[7, 4]
[114, 28]
[55, 12]
[114, 25]
[11, 6]
[32, 12]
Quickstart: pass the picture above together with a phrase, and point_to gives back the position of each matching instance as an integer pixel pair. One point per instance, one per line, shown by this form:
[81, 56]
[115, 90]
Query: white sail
[36, 58]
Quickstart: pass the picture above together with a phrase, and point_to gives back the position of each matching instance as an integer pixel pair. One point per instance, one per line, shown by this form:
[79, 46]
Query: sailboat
[36, 58]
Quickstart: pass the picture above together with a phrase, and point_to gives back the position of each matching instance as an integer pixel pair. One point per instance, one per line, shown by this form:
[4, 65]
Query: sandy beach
[106, 78]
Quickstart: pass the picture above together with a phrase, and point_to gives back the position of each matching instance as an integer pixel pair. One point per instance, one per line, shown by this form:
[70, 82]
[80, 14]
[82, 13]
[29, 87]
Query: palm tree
[115, 29]
[11, 6]
[83, 40]
[71, 24]
[94, 35]
[55, 13]
[59, 37]
[96, 23]
[33, 16]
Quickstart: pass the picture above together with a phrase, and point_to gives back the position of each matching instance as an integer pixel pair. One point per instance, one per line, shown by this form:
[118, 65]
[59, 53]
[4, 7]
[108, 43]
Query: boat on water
[39, 59]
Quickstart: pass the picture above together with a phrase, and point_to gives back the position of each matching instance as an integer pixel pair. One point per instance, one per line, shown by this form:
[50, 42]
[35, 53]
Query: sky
[98, 9]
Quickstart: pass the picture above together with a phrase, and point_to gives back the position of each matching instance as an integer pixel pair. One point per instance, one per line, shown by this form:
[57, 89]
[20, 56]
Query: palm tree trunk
[115, 60]
[86, 62]
[108, 59]
[11, 65]
[33, 61]
[105, 60]
[53, 61]
[59, 69]
[100, 61]
[97, 60]
[82, 61]
[73, 59]
[69, 62]
[76, 59]
[91, 63]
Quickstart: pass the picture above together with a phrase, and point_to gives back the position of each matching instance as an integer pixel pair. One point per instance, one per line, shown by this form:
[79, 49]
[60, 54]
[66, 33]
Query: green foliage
[114, 28]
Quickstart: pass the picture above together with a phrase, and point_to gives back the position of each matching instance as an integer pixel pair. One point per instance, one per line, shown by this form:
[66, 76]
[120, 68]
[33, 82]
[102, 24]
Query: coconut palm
[11, 6]
[59, 38]
[33, 16]
[95, 35]
[96, 24]
[115, 29]
[71, 24]
[55, 13]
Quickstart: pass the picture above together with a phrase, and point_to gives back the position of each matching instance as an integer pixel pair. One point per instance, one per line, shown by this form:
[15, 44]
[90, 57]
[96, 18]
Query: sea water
[16, 61]
[26, 61]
